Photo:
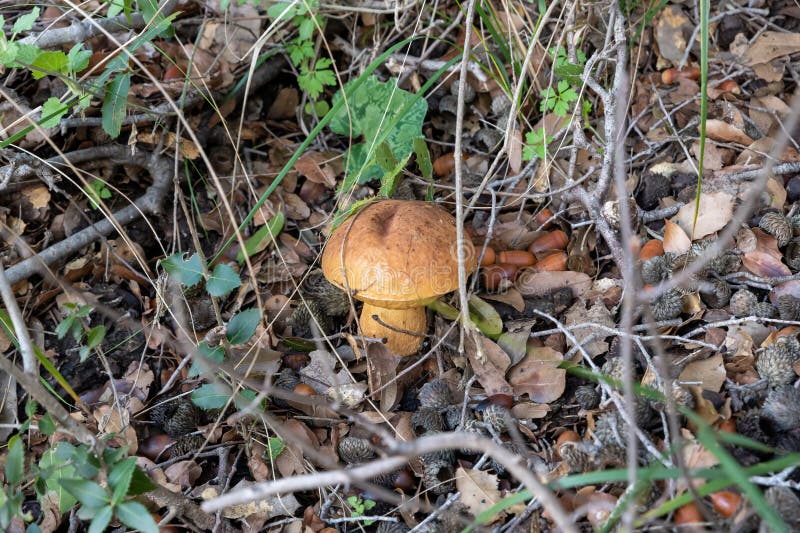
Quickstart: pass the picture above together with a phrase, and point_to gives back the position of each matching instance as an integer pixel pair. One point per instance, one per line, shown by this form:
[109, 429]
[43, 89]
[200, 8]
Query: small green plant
[315, 73]
[359, 507]
[536, 144]
[558, 100]
[75, 324]
[97, 191]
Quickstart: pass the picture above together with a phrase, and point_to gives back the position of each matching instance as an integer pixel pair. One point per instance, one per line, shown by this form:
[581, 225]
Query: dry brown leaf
[186, 148]
[675, 239]
[770, 45]
[381, 370]
[530, 410]
[672, 31]
[541, 283]
[596, 314]
[791, 287]
[478, 490]
[183, 473]
[538, 375]
[716, 210]
[296, 208]
[491, 368]
[765, 260]
[279, 505]
[515, 343]
[712, 157]
[510, 297]
[313, 165]
[284, 105]
[720, 130]
[708, 373]
[515, 151]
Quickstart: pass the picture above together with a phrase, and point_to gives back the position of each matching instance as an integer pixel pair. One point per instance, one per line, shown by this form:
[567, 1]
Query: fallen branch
[148, 204]
[404, 450]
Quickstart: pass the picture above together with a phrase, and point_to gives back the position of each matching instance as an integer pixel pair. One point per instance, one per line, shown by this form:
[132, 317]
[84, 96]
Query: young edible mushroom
[396, 256]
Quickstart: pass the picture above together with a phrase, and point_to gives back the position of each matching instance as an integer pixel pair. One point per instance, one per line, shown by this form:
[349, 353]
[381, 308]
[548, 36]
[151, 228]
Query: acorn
[741, 302]
[553, 240]
[688, 514]
[786, 504]
[448, 104]
[187, 445]
[612, 212]
[777, 225]
[782, 408]
[578, 456]
[439, 477]
[792, 255]
[332, 300]
[552, 262]
[611, 429]
[496, 417]
[488, 136]
[520, 258]
[777, 360]
[672, 74]
[656, 269]
[471, 425]
[489, 256]
[392, 527]
[763, 310]
[726, 503]
[650, 249]
[788, 307]
[287, 379]
[611, 456]
[176, 417]
[439, 456]
[307, 317]
[667, 305]
[501, 103]
[719, 295]
[748, 424]
[353, 450]
[724, 263]
[467, 90]
[587, 397]
[426, 420]
[435, 395]
[452, 416]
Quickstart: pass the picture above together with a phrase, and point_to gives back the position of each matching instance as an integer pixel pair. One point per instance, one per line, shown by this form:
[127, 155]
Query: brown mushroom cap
[396, 254]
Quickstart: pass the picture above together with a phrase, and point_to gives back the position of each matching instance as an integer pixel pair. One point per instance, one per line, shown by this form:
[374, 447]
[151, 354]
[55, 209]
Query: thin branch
[29, 363]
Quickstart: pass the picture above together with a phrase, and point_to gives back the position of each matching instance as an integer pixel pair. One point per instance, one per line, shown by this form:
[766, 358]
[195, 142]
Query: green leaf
[52, 111]
[25, 22]
[380, 112]
[206, 355]
[140, 483]
[283, 11]
[212, 395]
[569, 72]
[89, 493]
[115, 104]
[275, 447]
[46, 425]
[306, 28]
[135, 516]
[222, 281]
[8, 53]
[385, 157]
[48, 62]
[115, 7]
[101, 520]
[15, 461]
[154, 16]
[78, 58]
[188, 272]
[64, 326]
[262, 238]
[120, 479]
[485, 317]
[242, 326]
[95, 336]
[423, 157]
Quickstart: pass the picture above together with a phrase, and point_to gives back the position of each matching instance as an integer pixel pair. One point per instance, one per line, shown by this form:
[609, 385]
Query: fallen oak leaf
[714, 213]
[478, 490]
[765, 259]
[491, 367]
[538, 375]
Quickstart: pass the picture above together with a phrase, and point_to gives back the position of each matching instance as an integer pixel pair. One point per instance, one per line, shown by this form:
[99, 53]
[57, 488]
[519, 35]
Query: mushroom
[396, 256]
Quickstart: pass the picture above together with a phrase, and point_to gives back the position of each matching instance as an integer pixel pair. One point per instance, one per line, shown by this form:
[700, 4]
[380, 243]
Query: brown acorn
[763, 310]
[777, 225]
[792, 255]
[331, 299]
[177, 417]
[309, 317]
[552, 262]
[578, 456]
[656, 269]
[496, 417]
[187, 445]
[587, 397]
[553, 240]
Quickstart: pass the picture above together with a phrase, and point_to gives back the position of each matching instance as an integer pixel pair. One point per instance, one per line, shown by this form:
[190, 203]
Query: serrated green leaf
[8, 53]
[89, 493]
[52, 111]
[46, 425]
[306, 28]
[26, 22]
[263, 237]
[115, 104]
[188, 272]
[95, 336]
[135, 516]
[212, 395]
[48, 62]
[242, 326]
[380, 112]
[15, 461]
[64, 326]
[206, 354]
[282, 11]
[222, 281]
[78, 58]
[120, 479]
[101, 520]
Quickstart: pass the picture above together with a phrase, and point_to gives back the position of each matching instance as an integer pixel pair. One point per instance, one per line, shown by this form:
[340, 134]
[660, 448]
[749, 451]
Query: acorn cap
[396, 255]
[435, 394]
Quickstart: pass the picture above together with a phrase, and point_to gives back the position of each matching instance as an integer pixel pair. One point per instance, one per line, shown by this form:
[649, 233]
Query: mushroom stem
[412, 320]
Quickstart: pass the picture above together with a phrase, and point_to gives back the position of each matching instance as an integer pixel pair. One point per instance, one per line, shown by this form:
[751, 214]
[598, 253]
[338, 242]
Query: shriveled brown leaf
[766, 259]
[183, 473]
[382, 369]
[675, 239]
[510, 297]
[716, 210]
[491, 368]
[597, 313]
[186, 148]
[541, 283]
[530, 410]
[515, 343]
[478, 490]
[296, 208]
[538, 375]
[314, 166]
[770, 45]
[709, 373]
[719, 130]
[515, 152]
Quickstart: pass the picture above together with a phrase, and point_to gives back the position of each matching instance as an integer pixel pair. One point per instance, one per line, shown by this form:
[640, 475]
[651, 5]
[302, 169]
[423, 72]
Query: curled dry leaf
[538, 375]
[491, 368]
[315, 167]
[478, 490]
[510, 297]
[770, 45]
[183, 473]
[765, 260]
[720, 130]
[708, 373]
[381, 370]
[515, 151]
[541, 283]
[716, 210]
[515, 343]
[675, 239]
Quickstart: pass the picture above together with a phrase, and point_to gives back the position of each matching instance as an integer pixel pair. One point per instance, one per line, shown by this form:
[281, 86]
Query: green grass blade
[704, 13]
